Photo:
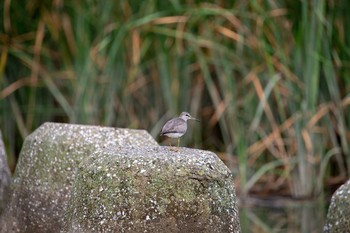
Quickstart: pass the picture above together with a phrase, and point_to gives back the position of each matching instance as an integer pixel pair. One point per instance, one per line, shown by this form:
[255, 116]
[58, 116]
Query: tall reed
[268, 78]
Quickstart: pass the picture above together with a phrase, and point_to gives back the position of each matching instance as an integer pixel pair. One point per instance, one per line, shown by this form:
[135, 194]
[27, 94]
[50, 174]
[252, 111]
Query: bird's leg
[177, 149]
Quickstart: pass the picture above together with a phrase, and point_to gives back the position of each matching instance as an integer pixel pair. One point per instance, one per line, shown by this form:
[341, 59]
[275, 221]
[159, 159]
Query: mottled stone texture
[153, 189]
[4, 176]
[338, 217]
[46, 169]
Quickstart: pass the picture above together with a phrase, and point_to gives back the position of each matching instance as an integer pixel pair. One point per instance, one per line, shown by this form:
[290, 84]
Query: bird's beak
[192, 118]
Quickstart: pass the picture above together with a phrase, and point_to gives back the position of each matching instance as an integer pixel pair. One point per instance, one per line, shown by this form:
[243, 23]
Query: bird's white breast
[174, 135]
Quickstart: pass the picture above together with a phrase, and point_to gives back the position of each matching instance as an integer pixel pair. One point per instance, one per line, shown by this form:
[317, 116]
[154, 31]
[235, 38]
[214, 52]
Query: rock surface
[152, 189]
[46, 169]
[338, 216]
[5, 176]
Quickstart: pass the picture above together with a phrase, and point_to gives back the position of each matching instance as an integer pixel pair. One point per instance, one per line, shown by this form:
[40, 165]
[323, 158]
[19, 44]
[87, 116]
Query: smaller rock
[338, 216]
[4, 176]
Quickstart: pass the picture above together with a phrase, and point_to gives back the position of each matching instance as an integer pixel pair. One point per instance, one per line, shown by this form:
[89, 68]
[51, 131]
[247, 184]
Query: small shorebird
[177, 127]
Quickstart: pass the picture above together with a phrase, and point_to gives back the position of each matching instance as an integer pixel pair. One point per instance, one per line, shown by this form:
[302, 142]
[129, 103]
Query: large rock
[4, 176]
[46, 168]
[338, 216]
[153, 189]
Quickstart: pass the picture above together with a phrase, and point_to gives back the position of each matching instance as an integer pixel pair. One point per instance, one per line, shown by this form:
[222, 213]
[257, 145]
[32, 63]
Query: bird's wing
[174, 125]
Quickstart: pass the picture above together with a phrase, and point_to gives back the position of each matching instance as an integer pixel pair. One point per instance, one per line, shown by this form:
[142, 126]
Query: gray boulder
[152, 189]
[338, 216]
[46, 169]
[5, 176]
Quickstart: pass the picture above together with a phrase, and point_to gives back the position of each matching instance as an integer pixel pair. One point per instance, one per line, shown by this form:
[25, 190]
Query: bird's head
[186, 116]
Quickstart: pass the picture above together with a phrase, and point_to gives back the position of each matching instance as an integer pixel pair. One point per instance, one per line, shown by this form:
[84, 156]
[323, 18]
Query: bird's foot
[176, 149]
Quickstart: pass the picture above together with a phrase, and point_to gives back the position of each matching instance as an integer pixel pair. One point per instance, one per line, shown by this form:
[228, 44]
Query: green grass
[269, 79]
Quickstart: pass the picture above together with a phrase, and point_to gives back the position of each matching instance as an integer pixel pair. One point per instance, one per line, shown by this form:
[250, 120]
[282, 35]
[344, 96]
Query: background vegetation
[268, 79]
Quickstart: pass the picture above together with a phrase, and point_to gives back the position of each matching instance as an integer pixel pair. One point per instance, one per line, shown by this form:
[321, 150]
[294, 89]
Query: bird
[177, 127]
